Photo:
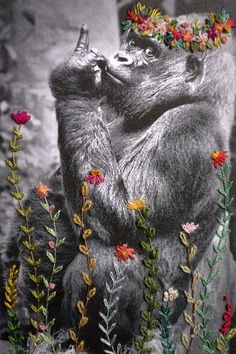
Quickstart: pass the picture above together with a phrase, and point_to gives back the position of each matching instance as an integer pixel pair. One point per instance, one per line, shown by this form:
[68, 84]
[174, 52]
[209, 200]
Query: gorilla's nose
[123, 58]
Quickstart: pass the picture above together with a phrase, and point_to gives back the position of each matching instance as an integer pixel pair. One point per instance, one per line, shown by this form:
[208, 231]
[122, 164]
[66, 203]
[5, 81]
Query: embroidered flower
[176, 34]
[95, 176]
[42, 190]
[52, 208]
[131, 15]
[123, 253]
[219, 157]
[20, 117]
[212, 34]
[229, 307]
[227, 315]
[189, 228]
[51, 244]
[187, 36]
[42, 326]
[136, 204]
[52, 286]
[151, 23]
[230, 22]
[170, 295]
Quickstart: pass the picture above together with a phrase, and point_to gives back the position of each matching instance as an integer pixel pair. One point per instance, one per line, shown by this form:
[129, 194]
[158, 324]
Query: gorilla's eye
[149, 52]
[132, 45]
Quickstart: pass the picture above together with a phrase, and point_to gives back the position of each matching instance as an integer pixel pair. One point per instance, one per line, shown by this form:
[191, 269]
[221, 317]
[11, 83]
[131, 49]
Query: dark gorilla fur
[152, 136]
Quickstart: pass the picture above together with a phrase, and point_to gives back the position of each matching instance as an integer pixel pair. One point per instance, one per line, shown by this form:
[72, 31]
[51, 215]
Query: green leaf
[52, 295]
[56, 216]
[13, 166]
[146, 212]
[50, 231]
[14, 180]
[58, 269]
[60, 242]
[46, 283]
[14, 147]
[138, 344]
[141, 224]
[17, 195]
[45, 206]
[208, 349]
[51, 257]
[21, 211]
[145, 246]
[154, 254]
[145, 315]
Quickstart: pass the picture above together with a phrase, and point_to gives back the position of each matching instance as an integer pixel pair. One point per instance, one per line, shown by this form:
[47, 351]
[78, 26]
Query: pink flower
[187, 36]
[52, 286]
[189, 228]
[20, 117]
[42, 326]
[95, 176]
[52, 208]
[51, 244]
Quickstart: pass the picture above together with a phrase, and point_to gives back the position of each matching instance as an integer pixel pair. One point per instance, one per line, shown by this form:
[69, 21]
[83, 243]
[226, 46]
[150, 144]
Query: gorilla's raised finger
[83, 42]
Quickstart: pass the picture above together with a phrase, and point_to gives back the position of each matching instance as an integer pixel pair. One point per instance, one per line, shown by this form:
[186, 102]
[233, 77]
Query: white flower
[170, 295]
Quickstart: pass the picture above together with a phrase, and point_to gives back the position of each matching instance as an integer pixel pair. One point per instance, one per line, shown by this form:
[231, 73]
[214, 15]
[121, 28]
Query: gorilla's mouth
[115, 77]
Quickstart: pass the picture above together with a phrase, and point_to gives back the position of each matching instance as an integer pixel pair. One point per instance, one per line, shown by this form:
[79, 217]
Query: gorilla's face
[145, 78]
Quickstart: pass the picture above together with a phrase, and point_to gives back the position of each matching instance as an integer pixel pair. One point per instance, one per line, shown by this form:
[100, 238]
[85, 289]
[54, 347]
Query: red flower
[95, 176]
[176, 34]
[229, 307]
[227, 316]
[212, 34]
[225, 298]
[20, 117]
[123, 253]
[224, 330]
[131, 15]
[219, 158]
[230, 22]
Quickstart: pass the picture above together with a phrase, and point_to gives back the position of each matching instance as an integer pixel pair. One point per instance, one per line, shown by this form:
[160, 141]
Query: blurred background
[34, 37]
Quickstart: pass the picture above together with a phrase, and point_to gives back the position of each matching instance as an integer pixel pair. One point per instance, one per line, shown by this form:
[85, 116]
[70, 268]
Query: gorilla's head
[146, 78]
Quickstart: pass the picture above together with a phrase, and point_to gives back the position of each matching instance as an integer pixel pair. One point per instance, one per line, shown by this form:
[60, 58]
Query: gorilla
[149, 117]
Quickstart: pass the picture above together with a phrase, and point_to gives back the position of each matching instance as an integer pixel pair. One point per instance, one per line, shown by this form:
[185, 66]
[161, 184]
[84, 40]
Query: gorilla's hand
[81, 74]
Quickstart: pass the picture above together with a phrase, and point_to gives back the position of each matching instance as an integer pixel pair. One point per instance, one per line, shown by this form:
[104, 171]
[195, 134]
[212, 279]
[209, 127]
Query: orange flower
[123, 253]
[42, 190]
[219, 158]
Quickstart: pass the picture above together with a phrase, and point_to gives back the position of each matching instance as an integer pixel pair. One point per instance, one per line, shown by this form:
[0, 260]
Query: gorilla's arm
[84, 140]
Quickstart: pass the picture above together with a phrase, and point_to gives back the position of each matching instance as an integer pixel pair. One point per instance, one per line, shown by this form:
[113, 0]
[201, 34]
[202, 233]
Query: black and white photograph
[118, 176]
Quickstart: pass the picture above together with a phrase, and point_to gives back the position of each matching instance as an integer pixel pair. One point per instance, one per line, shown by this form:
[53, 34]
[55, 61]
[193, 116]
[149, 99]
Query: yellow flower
[136, 204]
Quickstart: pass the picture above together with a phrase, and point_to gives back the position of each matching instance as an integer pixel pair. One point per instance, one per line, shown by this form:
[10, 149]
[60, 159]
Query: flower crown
[194, 36]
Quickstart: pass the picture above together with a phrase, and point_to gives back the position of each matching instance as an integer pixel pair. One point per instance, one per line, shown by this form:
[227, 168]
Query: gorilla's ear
[195, 69]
